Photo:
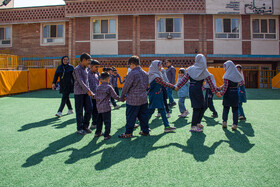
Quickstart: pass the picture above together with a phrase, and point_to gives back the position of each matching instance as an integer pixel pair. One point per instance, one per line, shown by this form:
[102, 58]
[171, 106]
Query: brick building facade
[113, 30]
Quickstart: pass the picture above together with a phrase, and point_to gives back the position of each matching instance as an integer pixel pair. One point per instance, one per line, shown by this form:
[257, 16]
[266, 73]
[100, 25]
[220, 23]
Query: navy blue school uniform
[156, 101]
[197, 100]
[230, 99]
[208, 101]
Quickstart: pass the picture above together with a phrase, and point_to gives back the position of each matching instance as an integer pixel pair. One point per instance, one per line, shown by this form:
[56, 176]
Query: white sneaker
[70, 112]
[59, 114]
[168, 115]
[158, 115]
[117, 107]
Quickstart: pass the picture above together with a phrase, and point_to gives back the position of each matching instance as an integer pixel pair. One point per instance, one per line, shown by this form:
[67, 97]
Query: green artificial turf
[38, 149]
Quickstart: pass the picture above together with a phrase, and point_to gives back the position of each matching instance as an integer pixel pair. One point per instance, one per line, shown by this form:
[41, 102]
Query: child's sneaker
[88, 131]
[59, 114]
[93, 126]
[169, 129]
[117, 107]
[168, 115]
[234, 127]
[184, 114]
[214, 115]
[224, 124]
[98, 135]
[70, 112]
[196, 129]
[81, 132]
[144, 134]
[136, 126]
[158, 115]
[107, 137]
[242, 118]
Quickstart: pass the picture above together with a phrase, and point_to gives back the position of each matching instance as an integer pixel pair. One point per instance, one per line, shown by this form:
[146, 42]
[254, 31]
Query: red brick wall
[26, 42]
[82, 47]
[246, 47]
[191, 24]
[125, 28]
[210, 47]
[125, 48]
[190, 47]
[209, 26]
[246, 29]
[82, 29]
[147, 27]
[147, 47]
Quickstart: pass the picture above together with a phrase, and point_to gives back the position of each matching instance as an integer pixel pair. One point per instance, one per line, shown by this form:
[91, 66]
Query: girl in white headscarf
[229, 90]
[156, 94]
[241, 94]
[197, 74]
[208, 100]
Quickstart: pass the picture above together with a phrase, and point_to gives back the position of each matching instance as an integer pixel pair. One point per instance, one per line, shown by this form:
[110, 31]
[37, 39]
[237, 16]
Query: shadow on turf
[246, 128]
[211, 121]
[52, 149]
[47, 122]
[195, 146]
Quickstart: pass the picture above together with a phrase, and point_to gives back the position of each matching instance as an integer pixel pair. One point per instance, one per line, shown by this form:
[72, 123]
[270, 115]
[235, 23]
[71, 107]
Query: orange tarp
[276, 81]
[37, 79]
[12, 82]
[50, 75]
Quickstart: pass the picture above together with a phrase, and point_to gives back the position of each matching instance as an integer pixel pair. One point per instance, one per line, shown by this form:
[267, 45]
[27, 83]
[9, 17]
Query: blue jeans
[83, 101]
[181, 104]
[169, 93]
[240, 110]
[163, 115]
[132, 112]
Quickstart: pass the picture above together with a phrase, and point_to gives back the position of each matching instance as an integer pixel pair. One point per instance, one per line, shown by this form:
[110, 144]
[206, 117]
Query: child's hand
[53, 86]
[218, 94]
[176, 88]
[90, 93]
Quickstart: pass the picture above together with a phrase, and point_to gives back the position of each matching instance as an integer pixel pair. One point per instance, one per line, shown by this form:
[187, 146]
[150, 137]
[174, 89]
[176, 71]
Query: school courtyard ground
[38, 149]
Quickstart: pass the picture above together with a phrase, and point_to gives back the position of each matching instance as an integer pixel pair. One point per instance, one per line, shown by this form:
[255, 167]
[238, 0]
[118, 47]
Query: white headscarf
[164, 75]
[154, 71]
[206, 85]
[242, 74]
[232, 73]
[199, 71]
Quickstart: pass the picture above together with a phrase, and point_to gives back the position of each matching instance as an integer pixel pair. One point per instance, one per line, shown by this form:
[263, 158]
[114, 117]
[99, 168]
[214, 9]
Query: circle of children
[93, 99]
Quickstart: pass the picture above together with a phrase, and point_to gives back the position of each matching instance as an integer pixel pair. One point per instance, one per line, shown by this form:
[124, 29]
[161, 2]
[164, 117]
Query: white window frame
[93, 19]
[52, 43]
[227, 33]
[157, 18]
[264, 18]
[11, 39]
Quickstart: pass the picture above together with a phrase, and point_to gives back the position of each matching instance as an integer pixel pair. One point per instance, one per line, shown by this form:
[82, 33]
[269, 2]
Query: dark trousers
[132, 112]
[234, 114]
[94, 112]
[65, 100]
[208, 102]
[83, 102]
[113, 100]
[106, 118]
[163, 115]
[165, 96]
[197, 116]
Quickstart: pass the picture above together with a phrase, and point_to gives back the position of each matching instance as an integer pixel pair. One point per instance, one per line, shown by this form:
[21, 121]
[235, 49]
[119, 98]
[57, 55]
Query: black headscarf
[62, 60]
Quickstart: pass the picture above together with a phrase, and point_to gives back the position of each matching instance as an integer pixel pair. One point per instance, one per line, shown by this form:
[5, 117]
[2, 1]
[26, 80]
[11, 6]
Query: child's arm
[211, 85]
[183, 81]
[224, 87]
[113, 94]
[78, 78]
[163, 83]
[128, 83]
[120, 79]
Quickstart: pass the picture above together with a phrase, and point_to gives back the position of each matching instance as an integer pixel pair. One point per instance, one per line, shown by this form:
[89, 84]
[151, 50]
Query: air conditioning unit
[169, 36]
[49, 40]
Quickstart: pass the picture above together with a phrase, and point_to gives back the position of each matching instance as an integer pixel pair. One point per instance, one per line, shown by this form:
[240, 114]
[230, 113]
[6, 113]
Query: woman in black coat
[64, 72]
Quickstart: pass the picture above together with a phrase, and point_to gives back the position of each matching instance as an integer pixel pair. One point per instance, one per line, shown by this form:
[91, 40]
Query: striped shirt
[187, 77]
[103, 94]
[224, 87]
[81, 85]
[135, 87]
[163, 83]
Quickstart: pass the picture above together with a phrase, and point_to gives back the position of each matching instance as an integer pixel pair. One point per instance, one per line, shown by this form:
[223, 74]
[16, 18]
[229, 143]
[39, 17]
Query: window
[5, 36]
[227, 28]
[53, 34]
[169, 27]
[104, 29]
[264, 28]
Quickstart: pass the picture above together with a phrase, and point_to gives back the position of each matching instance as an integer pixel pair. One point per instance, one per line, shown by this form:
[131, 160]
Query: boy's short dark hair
[181, 71]
[105, 69]
[113, 68]
[134, 60]
[168, 60]
[84, 56]
[94, 62]
[104, 75]
[109, 69]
